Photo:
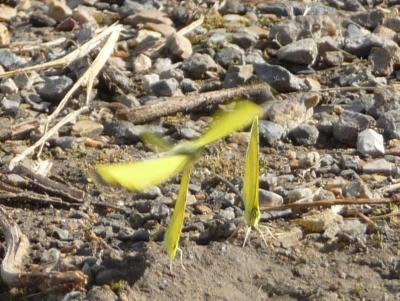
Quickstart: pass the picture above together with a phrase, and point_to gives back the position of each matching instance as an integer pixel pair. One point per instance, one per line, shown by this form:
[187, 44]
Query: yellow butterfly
[252, 212]
[173, 233]
[142, 175]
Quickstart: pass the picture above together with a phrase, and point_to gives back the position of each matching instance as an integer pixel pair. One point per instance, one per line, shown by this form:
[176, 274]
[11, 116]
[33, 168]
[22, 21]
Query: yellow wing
[250, 185]
[173, 233]
[142, 175]
[227, 122]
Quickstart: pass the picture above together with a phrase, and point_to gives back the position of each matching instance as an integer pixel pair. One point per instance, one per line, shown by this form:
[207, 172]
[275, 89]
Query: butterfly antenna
[181, 257]
[248, 230]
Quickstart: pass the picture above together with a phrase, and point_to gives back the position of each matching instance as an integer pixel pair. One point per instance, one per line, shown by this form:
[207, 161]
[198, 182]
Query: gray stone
[270, 132]
[333, 58]
[351, 230]
[237, 75]
[227, 213]
[66, 142]
[123, 132]
[254, 56]
[357, 189]
[62, 234]
[217, 230]
[393, 23]
[188, 85]
[10, 60]
[140, 235]
[179, 46]
[304, 134]
[149, 80]
[370, 143]
[245, 38]
[162, 64]
[231, 55]
[35, 101]
[349, 125]
[165, 87]
[311, 159]
[211, 86]
[303, 52]
[369, 19]
[269, 198]
[10, 104]
[141, 63]
[172, 73]
[381, 166]
[8, 86]
[54, 88]
[298, 194]
[360, 41]
[233, 7]
[159, 211]
[101, 293]
[303, 27]
[279, 78]
[390, 123]
[198, 64]
[382, 61]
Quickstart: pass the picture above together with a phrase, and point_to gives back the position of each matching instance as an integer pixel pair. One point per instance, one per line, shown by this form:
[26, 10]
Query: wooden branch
[51, 187]
[329, 203]
[187, 103]
[12, 268]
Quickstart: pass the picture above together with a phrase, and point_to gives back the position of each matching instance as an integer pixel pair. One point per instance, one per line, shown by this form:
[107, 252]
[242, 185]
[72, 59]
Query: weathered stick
[329, 203]
[187, 103]
[12, 268]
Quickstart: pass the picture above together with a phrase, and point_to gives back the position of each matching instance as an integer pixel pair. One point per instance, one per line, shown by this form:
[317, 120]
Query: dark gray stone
[54, 88]
[369, 19]
[245, 38]
[228, 56]
[10, 104]
[188, 85]
[198, 64]
[349, 125]
[165, 87]
[390, 123]
[237, 75]
[279, 78]
[304, 134]
[302, 52]
[270, 132]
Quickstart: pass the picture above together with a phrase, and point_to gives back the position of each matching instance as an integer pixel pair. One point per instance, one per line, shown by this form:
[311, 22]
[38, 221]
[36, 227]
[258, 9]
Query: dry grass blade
[29, 46]
[67, 59]
[88, 78]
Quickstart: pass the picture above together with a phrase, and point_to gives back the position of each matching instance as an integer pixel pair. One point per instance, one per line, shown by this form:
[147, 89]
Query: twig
[329, 203]
[69, 118]
[51, 187]
[26, 46]
[384, 216]
[12, 268]
[177, 104]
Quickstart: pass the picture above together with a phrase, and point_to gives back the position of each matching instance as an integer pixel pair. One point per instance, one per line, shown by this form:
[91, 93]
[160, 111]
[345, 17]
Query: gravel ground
[330, 131]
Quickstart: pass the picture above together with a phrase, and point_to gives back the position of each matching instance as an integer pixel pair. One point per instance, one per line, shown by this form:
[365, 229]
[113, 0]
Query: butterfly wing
[142, 175]
[173, 233]
[251, 185]
[228, 122]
